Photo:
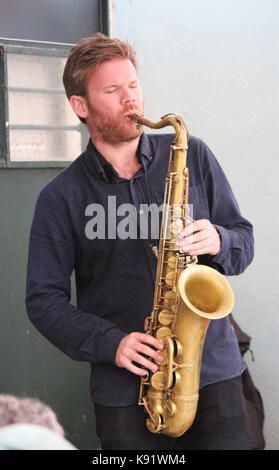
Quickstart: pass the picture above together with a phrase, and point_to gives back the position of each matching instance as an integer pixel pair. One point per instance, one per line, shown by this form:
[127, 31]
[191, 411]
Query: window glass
[40, 124]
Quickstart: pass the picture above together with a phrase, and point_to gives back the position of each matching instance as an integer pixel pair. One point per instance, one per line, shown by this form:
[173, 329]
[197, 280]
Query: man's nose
[128, 96]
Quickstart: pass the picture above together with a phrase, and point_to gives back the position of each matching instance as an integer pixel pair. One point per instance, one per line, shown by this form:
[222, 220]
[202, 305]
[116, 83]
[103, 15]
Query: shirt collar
[145, 149]
[105, 170]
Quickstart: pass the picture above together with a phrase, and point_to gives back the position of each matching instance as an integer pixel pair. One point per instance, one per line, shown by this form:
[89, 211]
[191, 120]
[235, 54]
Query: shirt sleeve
[236, 232]
[82, 336]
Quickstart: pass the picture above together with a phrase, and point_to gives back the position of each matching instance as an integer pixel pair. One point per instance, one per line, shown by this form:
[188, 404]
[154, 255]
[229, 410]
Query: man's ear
[79, 106]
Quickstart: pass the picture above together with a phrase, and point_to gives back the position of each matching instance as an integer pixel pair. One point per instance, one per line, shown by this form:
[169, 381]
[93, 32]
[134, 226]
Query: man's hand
[132, 348]
[200, 237]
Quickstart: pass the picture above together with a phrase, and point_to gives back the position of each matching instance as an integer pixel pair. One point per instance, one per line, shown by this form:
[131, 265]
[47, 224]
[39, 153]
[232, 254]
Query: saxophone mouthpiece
[137, 118]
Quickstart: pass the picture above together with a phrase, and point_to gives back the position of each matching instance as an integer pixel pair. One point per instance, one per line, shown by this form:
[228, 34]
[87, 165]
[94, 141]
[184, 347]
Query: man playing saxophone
[115, 273]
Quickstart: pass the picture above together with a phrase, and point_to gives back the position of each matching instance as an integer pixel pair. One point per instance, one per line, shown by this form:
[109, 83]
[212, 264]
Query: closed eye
[112, 90]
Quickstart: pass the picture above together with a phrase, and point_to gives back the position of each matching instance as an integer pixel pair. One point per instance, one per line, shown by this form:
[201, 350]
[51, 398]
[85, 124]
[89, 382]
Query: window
[38, 126]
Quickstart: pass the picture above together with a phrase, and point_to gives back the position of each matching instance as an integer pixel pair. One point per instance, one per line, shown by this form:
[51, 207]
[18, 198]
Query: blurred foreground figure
[27, 423]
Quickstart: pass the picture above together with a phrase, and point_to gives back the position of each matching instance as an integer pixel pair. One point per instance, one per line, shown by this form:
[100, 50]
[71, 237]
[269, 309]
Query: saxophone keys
[164, 361]
[145, 378]
[169, 279]
[172, 262]
[163, 332]
[178, 350]
[158, 381]
[176, 178]
[170, 298]
[165, 317]
[176, 227]
[177, 211]
[170, 407]
[155, 423]
[147, 324]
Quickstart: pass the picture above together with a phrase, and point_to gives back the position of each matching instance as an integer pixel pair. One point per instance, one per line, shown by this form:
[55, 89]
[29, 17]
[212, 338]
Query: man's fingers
[147, 351]
[147, 339]
[194, 226]
[139, 359]
[134, 369]
[134, 347]
[198, 238]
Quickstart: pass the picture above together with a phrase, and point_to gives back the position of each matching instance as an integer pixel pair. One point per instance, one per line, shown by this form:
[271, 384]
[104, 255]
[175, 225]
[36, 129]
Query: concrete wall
[216, 63]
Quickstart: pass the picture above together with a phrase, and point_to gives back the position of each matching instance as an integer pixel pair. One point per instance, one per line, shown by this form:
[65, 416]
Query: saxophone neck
[174, 120]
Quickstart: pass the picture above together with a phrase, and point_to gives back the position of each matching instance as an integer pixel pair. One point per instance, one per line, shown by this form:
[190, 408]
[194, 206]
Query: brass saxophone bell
[206, 292]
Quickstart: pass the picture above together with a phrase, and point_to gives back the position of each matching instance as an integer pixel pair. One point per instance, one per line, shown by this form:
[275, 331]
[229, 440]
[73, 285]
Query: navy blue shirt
[115, 277]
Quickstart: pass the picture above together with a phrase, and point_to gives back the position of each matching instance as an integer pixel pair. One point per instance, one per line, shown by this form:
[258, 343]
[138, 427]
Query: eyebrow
[115, 85]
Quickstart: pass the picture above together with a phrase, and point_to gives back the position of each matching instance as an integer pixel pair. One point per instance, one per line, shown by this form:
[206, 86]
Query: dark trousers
[221, 423]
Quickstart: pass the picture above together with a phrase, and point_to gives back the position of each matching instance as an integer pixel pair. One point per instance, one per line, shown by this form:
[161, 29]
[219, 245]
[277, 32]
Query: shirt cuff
[221, 257]
[105, 346]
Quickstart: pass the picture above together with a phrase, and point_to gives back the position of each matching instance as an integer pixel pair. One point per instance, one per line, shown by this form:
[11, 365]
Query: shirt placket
[139, 196]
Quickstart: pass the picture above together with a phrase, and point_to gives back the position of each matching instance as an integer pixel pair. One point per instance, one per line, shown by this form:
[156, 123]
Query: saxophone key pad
[165, 317]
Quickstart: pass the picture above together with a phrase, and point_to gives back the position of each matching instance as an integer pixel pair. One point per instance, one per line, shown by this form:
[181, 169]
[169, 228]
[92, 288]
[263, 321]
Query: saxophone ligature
[187, 297]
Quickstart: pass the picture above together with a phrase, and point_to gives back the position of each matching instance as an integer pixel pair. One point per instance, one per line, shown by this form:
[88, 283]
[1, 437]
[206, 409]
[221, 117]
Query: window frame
[40, 48]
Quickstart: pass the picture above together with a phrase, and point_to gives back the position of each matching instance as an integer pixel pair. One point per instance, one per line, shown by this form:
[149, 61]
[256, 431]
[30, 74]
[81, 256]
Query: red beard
[114, 130]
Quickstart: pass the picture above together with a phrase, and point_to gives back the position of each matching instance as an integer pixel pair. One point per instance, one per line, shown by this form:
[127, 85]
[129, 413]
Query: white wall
[216, 63]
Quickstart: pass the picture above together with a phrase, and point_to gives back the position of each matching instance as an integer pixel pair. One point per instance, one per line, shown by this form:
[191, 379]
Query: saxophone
[187, 296]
